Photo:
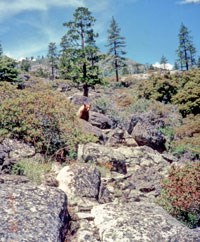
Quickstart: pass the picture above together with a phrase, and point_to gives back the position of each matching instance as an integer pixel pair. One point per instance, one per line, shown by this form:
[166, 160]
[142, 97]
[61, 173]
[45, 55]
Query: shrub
[180, 194]
[43, 118]
[160, 88]
[187, 136]
[181, 89]
[32, 169]
[8, 71]
[188, 98]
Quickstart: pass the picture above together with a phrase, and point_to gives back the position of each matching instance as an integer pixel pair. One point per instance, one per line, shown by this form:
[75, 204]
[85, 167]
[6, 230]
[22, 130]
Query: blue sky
[150, 27]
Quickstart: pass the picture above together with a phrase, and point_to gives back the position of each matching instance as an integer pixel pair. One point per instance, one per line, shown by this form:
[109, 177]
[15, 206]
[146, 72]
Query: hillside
[117, 173]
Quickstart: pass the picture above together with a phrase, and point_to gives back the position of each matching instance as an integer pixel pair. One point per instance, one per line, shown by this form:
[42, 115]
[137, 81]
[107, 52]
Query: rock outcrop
[145, 130]
[81, 183]
[100, 120]
[139, 222]
[12, 151]
[30, 213]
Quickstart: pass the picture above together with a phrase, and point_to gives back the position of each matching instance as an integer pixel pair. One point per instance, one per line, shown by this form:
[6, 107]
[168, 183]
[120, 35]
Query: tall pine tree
[79, 52]
[52, 58]
[1, 50]
[116, 45]
[186, 51]
[163, 61]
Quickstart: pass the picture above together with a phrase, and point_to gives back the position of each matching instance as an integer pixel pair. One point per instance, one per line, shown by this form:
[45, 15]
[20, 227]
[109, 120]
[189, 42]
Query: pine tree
[8, 70]
[79, 53]
[176, 66]
[163, 61]
[1, 50]
[116, 45]
[25, 65]
[52, 57]
[198, 62]
[186, 51]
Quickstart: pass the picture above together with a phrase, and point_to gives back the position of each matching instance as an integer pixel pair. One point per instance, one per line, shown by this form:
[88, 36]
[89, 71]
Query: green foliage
[187, 136]
[1, 50]
[25, 65]
[163, 61]
[160, 88]
[34, 170]
[80, 55]
[140, 106]
[116, 45]
[181, 89]
[104, 106]
[52, 57]
[168, 132]
[180, 194]
[41, 73]
[8, 71]
[186, 50]
[43, 118]
[188, 96]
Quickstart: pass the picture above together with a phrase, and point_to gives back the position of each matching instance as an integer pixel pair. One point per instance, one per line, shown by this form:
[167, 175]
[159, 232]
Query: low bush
[181, 89]
[159, 88]
[35, 171]
[44, 118]
[180, 194]
[187, 136]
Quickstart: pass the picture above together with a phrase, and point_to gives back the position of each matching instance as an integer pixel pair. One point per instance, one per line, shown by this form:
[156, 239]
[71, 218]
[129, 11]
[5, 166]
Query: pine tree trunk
[116, 71]
[85, 90]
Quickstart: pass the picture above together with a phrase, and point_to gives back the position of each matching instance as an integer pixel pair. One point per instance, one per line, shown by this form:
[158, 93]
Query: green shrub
[102, 105]
[8, 70]
[187, 136]
[43, 118]
[181, 89]
[180, 194]
[188, 98]
[160, 88]
[32, 169]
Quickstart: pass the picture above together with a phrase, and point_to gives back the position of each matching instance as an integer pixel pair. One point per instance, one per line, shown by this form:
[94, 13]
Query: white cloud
[9, 8]
[43, 28]
[167, 66]
[190, 1]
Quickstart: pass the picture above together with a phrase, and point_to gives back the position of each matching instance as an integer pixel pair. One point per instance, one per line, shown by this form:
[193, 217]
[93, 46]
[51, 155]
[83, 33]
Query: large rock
[30, 213]
[81, 183]
[18, 149]
[100, 154]
[118, 137]
[79, 99]
[141, 169]
[11, 151]
[145, 130]
[139, 222]
[100, 120]
[90, 129]
[145, 134]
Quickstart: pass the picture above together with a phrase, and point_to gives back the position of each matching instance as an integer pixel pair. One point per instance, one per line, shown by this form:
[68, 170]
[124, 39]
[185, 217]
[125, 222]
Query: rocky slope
[107, 194]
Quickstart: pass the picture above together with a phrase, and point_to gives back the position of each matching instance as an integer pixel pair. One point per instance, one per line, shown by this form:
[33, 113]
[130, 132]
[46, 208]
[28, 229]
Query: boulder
[81, 183]
[101, 155]
[139, 222]
[144, 128]
[131, 168]
[145, 134]
[90, 129]
[12, 151]
[148, 118]
[79, 99]
[100, 120]
[30, 213]
[118, 136]
[18, 149]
